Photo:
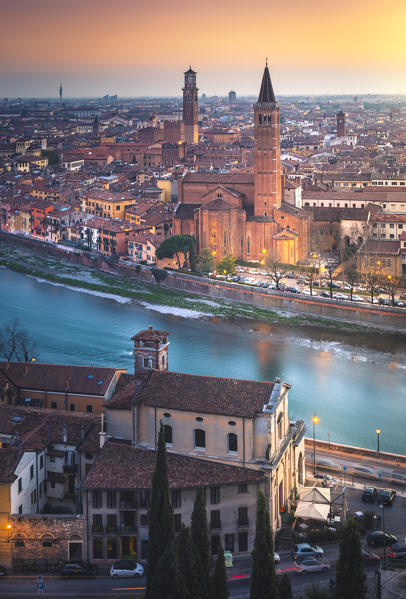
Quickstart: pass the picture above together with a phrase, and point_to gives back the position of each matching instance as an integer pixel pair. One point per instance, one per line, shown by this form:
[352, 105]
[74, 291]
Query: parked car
[369, 495]
[311, 564]
[77, 570]
[399, 304]
[378, 538]
[386, 496]
[324, 294]
[383, 301]
[305, 549]
[292, 289]
[397, 556]
[276, 557]
[126, 568]
[357, 298]
[369, 558]
[340, 296]
[3, 572]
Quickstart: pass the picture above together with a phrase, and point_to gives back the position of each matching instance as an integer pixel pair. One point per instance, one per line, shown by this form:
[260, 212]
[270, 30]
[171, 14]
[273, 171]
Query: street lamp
[328, 441]
[315, 421]
[378, 432]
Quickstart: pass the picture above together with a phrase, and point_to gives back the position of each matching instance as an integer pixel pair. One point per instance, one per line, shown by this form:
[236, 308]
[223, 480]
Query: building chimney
[25, 371]
[82, 432]
[65, 433]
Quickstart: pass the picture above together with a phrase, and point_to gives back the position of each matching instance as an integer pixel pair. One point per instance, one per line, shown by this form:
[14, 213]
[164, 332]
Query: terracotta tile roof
[86, 380]
[207, 394]
[119, 466]
[125, 391]
[150, 335]
[9, 458]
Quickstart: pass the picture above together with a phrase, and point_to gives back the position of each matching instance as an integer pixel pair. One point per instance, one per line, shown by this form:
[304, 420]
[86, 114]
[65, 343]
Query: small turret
[150, 350]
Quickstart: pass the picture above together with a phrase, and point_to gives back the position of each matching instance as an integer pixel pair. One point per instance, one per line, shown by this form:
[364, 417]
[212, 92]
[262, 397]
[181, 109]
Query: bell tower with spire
[190, 107]
[267, 163]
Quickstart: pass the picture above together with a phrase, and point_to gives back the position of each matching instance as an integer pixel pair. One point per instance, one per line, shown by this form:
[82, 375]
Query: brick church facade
[243, 213]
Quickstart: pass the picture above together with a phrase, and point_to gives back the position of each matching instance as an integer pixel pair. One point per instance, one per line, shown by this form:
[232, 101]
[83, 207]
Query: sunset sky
[140, 47]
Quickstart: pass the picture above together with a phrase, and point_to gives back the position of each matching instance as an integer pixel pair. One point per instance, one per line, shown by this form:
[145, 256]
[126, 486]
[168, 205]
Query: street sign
[344, 468]
[40, 584]
[379, 474]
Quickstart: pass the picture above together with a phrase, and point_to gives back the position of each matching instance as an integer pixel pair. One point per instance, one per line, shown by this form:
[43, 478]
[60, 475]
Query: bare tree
[16, 344]
[371, 281]
[275, 271]
[351, 276]
[390, 285]
[309, 277]
[328, 278]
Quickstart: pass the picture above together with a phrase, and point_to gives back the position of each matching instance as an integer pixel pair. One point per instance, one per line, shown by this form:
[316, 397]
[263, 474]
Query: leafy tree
[205, 261]
[200, 537]
[226, 265]
[16, 343]
[161, 531]
[168, 582]
[218, 586]
[264, 583]
[52, 155]
[350, 577]
[176, 245]
[275, 271]
[390, 285]
[285, 588]
[159, 274]
[188, 560]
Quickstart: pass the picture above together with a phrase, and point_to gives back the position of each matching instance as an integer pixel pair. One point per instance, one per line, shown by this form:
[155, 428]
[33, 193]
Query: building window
[168, 433]
[243, 516]
[52, 484]
[177, 522]
[31, 472]
[144, 498]
[54, 405]
[20, 485]
[200, 438]
[111, 549]
[97, 499]
[98, 548]
[144, 520]
[242, 541]
[72, 407]
[19, 541]
[214, 494]
[41, 462]
[33, 497]
[243, 488]
[89, 408]
[47, 541]
[214, 543]
[232, 443]
[97, 523]
[20, 509]
[176, 498]
[111, 498]
[229, 543]
[248, 245]
[215, 521]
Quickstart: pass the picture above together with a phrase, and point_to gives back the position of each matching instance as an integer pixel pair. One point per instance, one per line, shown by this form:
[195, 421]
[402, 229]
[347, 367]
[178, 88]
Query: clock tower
[190, 107]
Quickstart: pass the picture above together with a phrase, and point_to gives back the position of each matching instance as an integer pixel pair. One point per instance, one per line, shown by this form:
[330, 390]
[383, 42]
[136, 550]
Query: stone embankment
[382, 317]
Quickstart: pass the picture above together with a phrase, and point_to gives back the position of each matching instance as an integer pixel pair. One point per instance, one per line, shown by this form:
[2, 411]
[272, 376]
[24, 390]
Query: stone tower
[190, 108]
[60, 93]
[341, 124]
[267, 164]
[150, 350]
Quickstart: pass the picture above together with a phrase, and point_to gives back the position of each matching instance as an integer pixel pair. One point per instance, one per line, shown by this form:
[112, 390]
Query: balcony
[128, 529]
[97, 529]
[70, 468]
[111, 530]
[215, 525]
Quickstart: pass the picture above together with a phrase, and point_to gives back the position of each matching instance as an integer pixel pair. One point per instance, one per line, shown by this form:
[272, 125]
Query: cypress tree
[264, 582]
[285, 588]
[168, 583]
[161, 531]
[188, 560]
[218, 583]
[200, 537]
[350, 577]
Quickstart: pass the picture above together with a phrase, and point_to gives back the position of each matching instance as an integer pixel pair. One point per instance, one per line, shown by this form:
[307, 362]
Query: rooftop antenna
[150, 320]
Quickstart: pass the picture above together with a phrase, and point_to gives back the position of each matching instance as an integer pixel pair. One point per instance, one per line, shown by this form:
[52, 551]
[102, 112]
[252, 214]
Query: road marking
[129, 589]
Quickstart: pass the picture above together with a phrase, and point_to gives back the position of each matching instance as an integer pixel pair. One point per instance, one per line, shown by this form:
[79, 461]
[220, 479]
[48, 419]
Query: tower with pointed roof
[190, 107]
[60, 92]
[267, 164]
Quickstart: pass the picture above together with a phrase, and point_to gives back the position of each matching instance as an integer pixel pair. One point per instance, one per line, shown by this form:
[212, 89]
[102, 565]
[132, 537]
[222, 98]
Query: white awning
[314, 511]
[315, 495]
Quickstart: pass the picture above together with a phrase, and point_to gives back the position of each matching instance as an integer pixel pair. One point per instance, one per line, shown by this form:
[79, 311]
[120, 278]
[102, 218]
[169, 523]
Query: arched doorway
[75, 548]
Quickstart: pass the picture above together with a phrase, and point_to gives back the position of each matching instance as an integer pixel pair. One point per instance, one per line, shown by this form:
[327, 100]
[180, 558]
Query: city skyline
[139, 49]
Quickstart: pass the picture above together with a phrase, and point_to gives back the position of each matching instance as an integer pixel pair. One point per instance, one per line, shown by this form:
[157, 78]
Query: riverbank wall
[389, 459]
[382, 317]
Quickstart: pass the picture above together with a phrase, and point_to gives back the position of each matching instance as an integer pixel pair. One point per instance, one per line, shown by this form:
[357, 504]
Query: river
[353, 382]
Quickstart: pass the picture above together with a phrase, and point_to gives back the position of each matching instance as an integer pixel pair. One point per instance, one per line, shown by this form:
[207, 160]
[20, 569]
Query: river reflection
[353, 382]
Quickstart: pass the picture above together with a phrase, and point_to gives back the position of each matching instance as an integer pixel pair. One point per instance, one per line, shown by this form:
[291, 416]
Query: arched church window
[199, 438]
[265, 214]
[242, 244]
[232, 442]
[260, 119]
[248, 245]
[167, 433]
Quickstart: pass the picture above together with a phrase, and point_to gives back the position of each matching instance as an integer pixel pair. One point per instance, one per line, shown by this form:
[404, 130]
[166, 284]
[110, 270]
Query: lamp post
[328, 441]
[315, 421]
[378, 432]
